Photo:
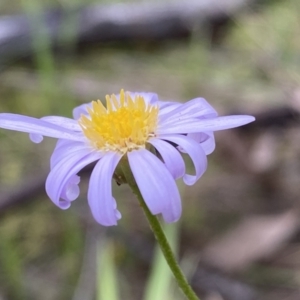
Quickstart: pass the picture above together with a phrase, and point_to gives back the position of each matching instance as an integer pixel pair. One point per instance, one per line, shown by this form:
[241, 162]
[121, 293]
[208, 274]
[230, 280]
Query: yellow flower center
[122, 126]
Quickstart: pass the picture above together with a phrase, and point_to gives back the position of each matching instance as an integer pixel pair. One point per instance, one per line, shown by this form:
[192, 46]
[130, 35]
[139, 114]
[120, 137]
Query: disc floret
[123, 125]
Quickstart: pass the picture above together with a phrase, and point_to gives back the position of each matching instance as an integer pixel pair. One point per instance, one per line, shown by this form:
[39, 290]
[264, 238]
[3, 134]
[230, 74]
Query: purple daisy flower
[130, 124]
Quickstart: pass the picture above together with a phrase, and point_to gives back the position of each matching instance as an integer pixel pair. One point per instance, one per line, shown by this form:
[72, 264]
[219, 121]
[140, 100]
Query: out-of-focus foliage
[42, 249]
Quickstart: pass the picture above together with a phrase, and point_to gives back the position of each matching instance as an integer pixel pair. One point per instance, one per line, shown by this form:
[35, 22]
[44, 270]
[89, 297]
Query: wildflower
[131, 125]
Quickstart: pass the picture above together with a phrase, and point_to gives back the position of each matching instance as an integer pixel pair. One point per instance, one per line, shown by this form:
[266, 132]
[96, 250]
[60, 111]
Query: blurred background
[239, 235]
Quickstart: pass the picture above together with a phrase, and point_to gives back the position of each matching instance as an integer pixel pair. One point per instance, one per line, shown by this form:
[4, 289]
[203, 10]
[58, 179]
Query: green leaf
[107, 287]
[159, 283]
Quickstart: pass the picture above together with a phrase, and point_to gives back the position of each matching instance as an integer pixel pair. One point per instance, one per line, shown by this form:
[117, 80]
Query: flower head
[130, 125]
[125, 124]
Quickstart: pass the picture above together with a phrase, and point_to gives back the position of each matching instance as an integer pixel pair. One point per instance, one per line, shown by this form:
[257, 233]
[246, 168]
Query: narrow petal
[178, 126]
[71, 189]
[166, 107]
[63, 147]
[171, 157]
[196, 153]
[36, 126]
[63, 122]
[150, 98]
[101, 201]
[65, 170]
[226, 122]
[80, 110]
[36, 138]
[204, 125]
[195, 108]
[206, 139]
[156, 185]
[61, 143]
[173, 211]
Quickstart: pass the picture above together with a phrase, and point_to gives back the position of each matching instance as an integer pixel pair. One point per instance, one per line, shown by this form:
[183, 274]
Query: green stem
[160, 236]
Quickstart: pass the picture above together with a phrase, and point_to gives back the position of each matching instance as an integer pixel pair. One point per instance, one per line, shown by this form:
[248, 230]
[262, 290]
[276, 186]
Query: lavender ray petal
[156, 185]
[63, 147]
[196, 153]
[204, 125]
[171, 157]
[71, 189]
[36, 138]
[196, 108]
[63, 122]
[80, 110]
[101, 201]
[179, 126]
[150, 98]
[165, 108]
[36, 126]
[206, 140]
[64, 171]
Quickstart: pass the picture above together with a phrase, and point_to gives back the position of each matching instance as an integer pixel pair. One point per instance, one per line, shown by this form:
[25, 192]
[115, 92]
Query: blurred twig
[254, 238]
[207, 280]
[275, 117]
[111, 23]
[29, 190]
[86, 284]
